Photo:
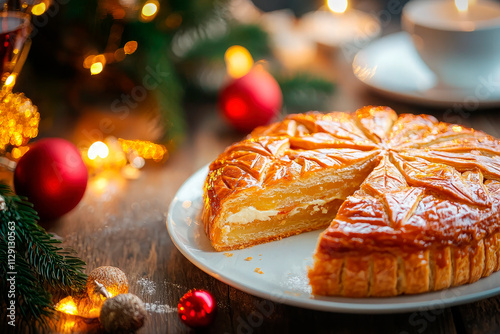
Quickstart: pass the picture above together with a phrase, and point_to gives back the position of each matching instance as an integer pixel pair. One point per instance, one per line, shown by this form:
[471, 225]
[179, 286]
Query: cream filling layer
[250, 214]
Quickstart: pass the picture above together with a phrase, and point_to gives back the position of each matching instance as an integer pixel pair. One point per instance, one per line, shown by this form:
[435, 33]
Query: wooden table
[122, 223]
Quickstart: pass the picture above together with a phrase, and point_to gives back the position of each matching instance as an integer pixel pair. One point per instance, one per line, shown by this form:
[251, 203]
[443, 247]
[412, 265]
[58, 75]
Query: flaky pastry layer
[420, 199]
[385, 273]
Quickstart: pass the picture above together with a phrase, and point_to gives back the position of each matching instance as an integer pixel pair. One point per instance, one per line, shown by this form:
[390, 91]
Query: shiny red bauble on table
[53, 177]
[254, 99]
[197, 308]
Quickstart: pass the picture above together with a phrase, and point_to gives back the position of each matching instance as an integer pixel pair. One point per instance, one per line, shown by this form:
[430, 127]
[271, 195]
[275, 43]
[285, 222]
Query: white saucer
[392, 67]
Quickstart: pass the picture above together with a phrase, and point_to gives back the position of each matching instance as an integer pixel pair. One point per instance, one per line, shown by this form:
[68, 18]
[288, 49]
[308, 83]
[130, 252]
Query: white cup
[461, 48]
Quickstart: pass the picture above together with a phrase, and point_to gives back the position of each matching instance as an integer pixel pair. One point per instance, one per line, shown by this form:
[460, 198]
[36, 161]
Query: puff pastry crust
[412, 204]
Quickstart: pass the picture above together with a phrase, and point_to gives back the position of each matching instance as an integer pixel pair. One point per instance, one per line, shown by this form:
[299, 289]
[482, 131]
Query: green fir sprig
[40, 264]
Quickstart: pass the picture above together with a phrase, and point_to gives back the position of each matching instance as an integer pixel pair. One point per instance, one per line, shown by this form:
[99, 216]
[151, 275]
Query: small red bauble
[252, 100]
[53, 177]
[197, 308]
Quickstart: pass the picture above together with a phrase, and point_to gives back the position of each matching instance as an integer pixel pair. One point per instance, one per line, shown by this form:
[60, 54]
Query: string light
[144, 149]
[67, 305]
[114, 54]
[18, 152]
[121, 154]
[10, 81]
[239, 61]
[130, 47]
[68, 326]
[80, 306]
[39, 9]
[98, 149]
[19, 120]
[96, 68]
[149, 10]
[96, 63]
[104, 155]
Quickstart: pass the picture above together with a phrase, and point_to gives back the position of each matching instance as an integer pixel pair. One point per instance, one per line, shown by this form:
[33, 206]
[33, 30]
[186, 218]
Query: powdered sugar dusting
[176, 286]
[148, 287]
[159, 308]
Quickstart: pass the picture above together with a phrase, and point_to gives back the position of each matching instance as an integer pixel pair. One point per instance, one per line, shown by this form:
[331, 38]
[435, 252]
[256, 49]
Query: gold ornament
[19, 119]
[113, 279]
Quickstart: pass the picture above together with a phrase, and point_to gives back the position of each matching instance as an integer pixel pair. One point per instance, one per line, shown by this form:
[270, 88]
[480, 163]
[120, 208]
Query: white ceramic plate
[392, 66]
[284, 263]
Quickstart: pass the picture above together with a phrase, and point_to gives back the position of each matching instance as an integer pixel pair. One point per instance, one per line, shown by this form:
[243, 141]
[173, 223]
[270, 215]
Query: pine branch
[40, 263]
[34, 302]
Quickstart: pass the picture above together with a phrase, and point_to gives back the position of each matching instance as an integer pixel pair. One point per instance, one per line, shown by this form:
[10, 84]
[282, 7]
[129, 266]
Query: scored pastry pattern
[425, 217]
[434, 182]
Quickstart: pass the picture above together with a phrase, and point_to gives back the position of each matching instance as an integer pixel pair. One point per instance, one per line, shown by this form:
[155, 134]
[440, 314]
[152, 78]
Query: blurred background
[148, 77]
[134, 69]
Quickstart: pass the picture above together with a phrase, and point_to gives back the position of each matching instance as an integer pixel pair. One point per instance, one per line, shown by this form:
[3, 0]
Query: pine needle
[40, 263]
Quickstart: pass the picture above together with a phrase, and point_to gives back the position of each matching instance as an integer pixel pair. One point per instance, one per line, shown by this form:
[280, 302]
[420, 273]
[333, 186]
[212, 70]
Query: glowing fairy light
[337, 6]
[149, 10]
[68, 306]
[18, 152]
[98, 149]
[144, 149]
[130, 47]
[82, 307]
[39, 9]
[11, 80]
[96, 68]
[238, 61]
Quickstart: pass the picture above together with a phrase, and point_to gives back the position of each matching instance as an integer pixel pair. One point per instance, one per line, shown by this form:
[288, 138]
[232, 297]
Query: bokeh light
[239, 61]
[19, 120]
[130, 47]
[96, 68]
[98, 149]
[11, 80]
[144, 149]
[39, 9]
[67, 305]
[337, 6]
[149, 10]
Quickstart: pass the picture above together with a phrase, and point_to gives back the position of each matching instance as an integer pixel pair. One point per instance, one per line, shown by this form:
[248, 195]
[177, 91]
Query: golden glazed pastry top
[435, 182]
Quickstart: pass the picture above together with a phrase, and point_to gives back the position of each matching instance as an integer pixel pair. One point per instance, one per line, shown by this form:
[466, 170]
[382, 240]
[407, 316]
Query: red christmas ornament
[250, 101]
[197, 308]
[53, 177]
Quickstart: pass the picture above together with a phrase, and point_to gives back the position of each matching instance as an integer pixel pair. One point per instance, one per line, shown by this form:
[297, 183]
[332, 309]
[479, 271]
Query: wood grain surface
[122, 223]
